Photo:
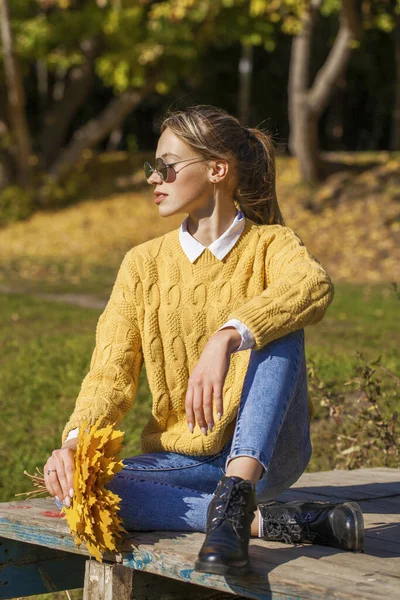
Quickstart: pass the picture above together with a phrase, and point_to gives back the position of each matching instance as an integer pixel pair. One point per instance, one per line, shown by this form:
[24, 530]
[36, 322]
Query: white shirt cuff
[248, 339]
[72, 434]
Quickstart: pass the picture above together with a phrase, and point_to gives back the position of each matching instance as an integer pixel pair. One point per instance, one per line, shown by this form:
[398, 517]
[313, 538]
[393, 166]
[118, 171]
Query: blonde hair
[213, 133]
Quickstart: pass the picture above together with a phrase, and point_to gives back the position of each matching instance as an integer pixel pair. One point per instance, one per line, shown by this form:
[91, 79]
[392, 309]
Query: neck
[208, 228]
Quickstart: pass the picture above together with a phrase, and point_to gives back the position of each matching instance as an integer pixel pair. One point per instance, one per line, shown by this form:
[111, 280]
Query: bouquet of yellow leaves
[92, 516]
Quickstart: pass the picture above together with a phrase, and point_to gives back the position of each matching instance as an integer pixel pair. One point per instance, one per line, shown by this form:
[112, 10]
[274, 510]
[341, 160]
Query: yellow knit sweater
[163, 309]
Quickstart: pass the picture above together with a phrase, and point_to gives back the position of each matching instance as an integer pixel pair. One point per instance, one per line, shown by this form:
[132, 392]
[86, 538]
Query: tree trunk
[16, 102]
[307, 104]
[245, 76]
[303, 139]
[97, 129]
[395, 136]
[78, 85]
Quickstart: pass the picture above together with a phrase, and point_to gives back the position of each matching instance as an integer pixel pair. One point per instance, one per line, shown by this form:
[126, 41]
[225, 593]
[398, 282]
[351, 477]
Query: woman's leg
[166, 491]
[274, 382]
[273, 423]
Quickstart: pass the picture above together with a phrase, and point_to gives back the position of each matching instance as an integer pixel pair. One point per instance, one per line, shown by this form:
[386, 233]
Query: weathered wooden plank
[278, 571]
[273, 573]
[345, 485]
[361, 562]
[37, 522]
[26, 569]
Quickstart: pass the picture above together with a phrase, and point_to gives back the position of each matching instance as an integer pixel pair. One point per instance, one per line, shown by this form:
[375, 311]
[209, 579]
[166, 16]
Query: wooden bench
[38, 554]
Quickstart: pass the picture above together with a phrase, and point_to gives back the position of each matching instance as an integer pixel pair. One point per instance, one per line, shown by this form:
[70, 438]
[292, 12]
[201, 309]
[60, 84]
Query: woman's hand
[61, 464]
[208, 378]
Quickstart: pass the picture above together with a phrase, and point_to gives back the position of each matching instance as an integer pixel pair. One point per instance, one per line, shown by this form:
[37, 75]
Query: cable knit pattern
[162, 311]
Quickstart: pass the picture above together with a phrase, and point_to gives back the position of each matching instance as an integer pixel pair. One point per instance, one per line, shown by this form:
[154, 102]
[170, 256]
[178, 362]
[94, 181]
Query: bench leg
[29, 569]
[105, 581]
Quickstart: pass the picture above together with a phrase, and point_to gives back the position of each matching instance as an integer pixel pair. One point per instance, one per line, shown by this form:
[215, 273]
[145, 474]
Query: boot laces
[284, 529]
[231, 508]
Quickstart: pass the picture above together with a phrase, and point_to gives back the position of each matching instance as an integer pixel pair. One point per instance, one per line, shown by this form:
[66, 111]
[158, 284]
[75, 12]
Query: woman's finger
[51, 478]
[69, 468]
[198, 406]
[189, 406]
[49, 486]
[62, 483]
[208, 405]
[218, 391]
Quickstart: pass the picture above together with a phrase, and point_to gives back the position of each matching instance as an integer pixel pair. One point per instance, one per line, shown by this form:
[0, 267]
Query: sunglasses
[165, 170]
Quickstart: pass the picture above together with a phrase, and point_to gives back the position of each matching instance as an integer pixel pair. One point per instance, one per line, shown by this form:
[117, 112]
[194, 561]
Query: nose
[154, 178]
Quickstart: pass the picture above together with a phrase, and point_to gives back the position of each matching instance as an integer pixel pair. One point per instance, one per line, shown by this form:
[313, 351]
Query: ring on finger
[50, 470]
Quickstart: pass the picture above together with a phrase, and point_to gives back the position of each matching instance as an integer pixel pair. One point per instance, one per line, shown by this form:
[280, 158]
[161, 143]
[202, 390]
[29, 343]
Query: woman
[216, 311]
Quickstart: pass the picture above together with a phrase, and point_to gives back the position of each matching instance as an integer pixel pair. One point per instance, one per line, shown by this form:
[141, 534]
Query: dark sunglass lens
[162, 168]
[147, 170]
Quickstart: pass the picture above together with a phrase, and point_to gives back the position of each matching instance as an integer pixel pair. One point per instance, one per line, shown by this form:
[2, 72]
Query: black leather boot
[229, 517]
[325, 523]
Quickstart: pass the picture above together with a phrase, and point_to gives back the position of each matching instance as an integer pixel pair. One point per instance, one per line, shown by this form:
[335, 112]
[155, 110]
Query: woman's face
[191, 189]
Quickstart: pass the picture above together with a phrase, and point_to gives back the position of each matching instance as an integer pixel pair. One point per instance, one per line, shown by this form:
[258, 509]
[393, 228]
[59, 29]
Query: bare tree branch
[338, 57]
[97, 129]
[80, 81]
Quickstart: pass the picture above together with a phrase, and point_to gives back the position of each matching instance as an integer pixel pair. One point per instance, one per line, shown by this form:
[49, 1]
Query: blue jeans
[172, 491]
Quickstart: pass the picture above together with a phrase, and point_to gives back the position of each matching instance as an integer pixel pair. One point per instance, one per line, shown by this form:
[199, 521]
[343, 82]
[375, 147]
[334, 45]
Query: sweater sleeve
[298, 291]
[110, 386]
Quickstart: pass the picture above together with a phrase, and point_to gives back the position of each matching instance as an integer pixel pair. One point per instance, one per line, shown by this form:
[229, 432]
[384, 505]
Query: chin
[167, 211]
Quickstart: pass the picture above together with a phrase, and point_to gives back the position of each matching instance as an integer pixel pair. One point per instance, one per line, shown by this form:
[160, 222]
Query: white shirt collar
[220, 247]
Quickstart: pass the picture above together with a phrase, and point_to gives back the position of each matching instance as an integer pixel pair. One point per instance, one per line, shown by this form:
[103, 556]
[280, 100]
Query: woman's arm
[299, 291]
[110, 386]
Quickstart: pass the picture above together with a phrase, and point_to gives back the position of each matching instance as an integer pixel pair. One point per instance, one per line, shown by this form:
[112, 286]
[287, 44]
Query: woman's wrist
[231, 337]
[71, 443]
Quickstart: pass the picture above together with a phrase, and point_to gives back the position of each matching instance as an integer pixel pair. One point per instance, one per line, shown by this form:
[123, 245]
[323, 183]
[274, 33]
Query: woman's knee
[286, 345]
[279, 361]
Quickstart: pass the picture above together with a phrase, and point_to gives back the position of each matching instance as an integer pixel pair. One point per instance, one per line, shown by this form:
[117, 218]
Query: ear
[218, 170]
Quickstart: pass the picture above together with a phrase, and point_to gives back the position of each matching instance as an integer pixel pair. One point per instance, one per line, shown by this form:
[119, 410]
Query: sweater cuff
[247, 336]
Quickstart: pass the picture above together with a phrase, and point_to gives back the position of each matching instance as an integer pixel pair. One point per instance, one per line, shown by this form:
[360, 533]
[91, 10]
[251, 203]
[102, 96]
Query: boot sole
[220, 569]
[358, 526]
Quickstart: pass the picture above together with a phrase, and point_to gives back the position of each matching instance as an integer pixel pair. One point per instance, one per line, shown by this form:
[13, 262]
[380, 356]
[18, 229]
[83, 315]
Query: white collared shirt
[220, 248]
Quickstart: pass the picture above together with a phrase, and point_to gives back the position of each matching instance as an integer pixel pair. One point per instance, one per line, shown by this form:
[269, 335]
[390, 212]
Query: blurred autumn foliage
[351, 223]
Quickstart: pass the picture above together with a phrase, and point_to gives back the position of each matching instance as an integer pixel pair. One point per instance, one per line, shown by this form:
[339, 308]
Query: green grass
[45, 353]
[46, 349]
[360, 319]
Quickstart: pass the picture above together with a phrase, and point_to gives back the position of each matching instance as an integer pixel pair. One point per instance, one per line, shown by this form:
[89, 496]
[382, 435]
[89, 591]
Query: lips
[158, 197]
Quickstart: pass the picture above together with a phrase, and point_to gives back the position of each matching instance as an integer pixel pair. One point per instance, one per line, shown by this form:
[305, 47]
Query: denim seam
[256, 453]
[121, 476]
[199, 463]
